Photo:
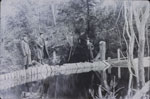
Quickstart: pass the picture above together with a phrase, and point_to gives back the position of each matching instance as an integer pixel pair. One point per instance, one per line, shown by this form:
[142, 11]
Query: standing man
[42, 51]
[90, 50]
[26, 52]
[82, 48]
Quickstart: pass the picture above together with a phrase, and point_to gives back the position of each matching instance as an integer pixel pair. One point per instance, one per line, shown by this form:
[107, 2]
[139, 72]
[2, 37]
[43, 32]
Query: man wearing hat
[26, 51]
[41, 49]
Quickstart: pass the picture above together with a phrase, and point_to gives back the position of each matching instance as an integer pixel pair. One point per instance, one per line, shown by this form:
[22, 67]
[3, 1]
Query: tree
[131, 36]
[136, 15]
[141, 15]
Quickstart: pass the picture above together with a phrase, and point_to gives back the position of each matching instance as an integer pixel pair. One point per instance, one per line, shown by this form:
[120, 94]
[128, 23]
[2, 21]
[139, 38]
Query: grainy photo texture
[74, 49]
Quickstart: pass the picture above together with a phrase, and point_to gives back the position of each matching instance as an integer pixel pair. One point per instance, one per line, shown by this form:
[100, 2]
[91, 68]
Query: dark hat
[41, 33]
[24, 35]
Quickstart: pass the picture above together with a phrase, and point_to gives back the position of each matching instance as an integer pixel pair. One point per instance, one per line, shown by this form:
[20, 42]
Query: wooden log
[102, 47]
[119, 68]
[109, 69]
[130, 83]
[102, 51]
[118, 54]
[41, 72]
[123, 63]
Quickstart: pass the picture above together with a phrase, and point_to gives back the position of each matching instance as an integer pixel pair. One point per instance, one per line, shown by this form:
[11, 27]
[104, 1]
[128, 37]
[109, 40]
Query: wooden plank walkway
[124, 63]
[36, 73]
[18, 77]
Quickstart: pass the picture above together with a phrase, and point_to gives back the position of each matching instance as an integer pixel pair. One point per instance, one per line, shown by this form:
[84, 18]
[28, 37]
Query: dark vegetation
[99, 21]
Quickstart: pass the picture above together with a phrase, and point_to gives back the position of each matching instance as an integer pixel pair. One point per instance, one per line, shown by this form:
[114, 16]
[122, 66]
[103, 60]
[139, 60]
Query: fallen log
[37, 73]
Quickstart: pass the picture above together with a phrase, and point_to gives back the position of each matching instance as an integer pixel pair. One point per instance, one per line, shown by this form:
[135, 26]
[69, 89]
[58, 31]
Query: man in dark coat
[42, 51]
[85, 48]
[26, 52]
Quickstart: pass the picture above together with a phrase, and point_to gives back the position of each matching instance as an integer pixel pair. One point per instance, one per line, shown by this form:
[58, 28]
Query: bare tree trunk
[53, 13]
[140, 59]
[131, 35]
[141, 19]
[131, 50]
[2, 49]
[88, 11]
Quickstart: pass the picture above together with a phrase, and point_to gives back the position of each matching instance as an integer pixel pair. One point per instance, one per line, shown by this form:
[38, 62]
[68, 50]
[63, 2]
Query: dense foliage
[63, 22]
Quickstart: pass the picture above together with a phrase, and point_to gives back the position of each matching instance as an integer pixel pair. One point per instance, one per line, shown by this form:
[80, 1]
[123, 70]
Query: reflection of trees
[136, 14]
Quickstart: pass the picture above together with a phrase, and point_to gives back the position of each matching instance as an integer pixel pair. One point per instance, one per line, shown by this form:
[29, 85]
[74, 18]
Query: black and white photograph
[74, 49]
